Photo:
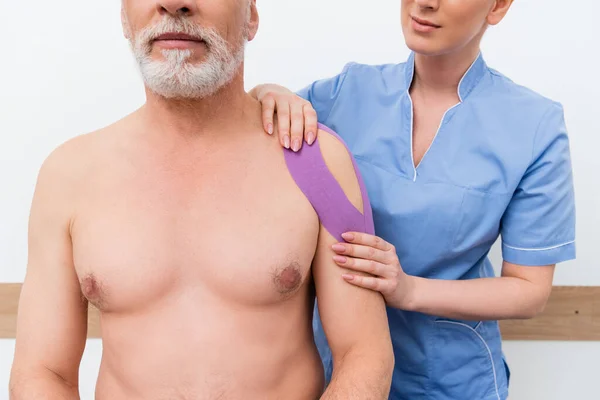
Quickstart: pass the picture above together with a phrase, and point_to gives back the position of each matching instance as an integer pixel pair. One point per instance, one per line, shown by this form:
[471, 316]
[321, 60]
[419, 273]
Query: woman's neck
[442, 74]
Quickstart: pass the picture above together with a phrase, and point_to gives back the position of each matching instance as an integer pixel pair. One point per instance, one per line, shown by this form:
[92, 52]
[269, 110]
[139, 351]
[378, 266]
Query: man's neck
[198, 117]
[442, 74]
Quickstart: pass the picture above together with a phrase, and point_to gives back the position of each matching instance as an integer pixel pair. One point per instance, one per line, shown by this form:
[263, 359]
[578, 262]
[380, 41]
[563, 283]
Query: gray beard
[176, 76]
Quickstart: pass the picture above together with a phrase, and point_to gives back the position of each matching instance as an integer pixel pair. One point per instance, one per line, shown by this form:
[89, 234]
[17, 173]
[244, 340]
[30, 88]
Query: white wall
[65, 69]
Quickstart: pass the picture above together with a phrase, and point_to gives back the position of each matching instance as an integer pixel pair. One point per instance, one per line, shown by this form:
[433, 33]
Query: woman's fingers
[367, 240]
[268, 111]
[296, 118]
[297, 124]
[283, 122]
[310, 123]
[367, 266]
[359, 251]
[367, 282]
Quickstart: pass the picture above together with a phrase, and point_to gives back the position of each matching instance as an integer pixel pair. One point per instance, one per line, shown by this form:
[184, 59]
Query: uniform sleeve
[538, 227]
[323, 94]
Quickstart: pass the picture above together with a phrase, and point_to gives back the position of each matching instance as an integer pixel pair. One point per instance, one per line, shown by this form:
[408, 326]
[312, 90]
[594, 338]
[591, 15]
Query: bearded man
[197, 238]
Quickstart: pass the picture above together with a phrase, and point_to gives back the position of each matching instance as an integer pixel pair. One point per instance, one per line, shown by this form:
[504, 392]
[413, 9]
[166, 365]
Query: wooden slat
[93, 322]
[9, 301]
[572, 313]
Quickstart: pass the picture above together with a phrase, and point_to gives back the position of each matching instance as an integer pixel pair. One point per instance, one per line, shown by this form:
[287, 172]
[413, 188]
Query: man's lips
[175, 36]
[176, 40]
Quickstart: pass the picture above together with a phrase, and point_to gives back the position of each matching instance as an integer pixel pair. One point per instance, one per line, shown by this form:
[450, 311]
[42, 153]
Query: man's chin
[188, 56]
[172, 59]
[175, 88]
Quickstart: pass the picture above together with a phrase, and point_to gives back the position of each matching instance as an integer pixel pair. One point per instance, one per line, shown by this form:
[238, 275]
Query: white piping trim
[412, 113]
[486, 346]
[542, 249]
[412, 117]
[465, 74]
[433, 141]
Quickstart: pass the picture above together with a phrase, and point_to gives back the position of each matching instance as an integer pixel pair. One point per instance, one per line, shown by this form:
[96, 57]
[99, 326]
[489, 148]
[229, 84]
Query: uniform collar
[467, 83]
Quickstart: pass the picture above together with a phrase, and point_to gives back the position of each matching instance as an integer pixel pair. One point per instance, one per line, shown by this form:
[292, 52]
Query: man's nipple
[288, 279]
[91, 290]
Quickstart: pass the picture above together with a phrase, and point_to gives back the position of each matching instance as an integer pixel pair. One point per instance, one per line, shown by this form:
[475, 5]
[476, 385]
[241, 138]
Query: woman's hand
[376, 257]
[296, 118]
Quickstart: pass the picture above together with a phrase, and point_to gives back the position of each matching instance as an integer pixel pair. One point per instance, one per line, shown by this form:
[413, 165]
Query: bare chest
[241, 237]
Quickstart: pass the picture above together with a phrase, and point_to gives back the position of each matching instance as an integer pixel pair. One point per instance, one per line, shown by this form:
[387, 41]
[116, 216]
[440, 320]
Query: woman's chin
[424, 46]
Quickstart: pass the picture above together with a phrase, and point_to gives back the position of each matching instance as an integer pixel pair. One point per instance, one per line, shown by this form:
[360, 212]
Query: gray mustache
[176, 25]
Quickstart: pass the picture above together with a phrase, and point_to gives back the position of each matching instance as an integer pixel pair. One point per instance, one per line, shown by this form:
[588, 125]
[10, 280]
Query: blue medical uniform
[499, 166]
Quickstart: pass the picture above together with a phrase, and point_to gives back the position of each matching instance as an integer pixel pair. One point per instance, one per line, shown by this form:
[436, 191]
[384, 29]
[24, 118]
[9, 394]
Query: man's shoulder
[69, 162]
[327, 174]
[339, 161]
[66, 161]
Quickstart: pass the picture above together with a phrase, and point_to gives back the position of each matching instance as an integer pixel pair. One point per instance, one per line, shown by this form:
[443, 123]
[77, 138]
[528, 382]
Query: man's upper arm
[52, 317]
[350, 315]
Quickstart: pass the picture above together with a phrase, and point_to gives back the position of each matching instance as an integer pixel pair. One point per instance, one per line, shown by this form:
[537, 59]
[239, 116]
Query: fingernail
[296, 144]
[347, 277]
[286, 142]
[338, 247]
[339, 259]
[348, 236]
[310, 137]
[270, 129]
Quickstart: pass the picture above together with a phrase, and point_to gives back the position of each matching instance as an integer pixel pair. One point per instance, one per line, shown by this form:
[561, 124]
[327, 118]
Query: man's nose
[177, 7]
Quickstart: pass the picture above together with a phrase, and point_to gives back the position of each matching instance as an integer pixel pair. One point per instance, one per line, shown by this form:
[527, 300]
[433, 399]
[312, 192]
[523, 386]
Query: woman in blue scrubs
[454, 155]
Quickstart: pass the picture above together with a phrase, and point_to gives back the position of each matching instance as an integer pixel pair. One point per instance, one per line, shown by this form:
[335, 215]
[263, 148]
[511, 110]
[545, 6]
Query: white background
[65, 69]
